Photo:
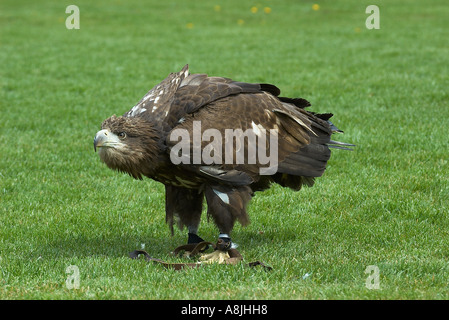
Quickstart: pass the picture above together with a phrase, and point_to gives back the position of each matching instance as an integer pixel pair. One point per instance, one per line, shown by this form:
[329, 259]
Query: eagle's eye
[122, 135]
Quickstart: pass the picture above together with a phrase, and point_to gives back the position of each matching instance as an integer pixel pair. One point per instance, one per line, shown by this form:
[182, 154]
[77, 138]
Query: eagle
[217, 139]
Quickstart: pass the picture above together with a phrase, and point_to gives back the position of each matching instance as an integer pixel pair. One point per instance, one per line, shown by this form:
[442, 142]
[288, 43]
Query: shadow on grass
[157, 246]
[113, 246]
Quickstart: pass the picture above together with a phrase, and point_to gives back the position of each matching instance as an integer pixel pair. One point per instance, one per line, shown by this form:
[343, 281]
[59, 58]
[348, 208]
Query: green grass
[385, 204]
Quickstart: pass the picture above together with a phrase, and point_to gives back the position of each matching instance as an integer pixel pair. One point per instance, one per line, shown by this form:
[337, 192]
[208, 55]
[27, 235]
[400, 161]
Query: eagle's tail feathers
[340, 145]
[334, 128]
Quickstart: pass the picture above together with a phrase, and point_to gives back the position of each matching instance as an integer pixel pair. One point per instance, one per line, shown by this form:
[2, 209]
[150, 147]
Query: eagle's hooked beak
[102, 138]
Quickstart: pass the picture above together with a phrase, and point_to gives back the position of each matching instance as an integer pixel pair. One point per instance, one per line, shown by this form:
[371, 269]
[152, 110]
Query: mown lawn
[384, 204]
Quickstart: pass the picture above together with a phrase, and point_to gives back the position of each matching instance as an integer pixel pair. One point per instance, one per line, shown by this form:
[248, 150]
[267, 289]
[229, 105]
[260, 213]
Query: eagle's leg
[193, 235]
[226, 205]
[184, 205]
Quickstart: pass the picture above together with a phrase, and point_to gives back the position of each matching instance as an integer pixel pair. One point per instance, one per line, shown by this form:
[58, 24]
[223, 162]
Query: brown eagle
[219, 139]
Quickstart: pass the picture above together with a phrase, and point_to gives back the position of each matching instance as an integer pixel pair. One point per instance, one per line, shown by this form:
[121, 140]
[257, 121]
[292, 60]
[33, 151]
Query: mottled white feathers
[158, 99]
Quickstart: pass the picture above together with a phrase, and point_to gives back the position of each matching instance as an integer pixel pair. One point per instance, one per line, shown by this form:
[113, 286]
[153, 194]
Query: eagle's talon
[194, 238]
[224, 253]
[224, 244]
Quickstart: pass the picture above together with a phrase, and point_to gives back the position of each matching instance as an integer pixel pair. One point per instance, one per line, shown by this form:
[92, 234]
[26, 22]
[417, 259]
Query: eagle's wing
[182, 93]
[155, 105]
[221, 104]
[301, 137]
[197, 90]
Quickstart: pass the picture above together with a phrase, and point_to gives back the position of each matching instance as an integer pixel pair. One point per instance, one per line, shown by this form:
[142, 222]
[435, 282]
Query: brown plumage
[145, 141]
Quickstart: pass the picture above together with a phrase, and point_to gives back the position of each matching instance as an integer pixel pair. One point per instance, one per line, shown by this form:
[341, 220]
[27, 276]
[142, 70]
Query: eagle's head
[128, 144]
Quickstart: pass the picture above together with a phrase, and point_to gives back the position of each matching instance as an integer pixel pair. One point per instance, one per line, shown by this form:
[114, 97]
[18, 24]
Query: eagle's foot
[223, 253]
[224, 250]
[220, 254]
[194, 238]
[194, 246]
